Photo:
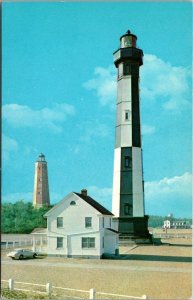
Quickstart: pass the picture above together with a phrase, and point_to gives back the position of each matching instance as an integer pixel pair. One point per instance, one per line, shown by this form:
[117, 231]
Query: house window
[128, 210]
[59, 242]
[103, 242]
[59, 222]
[110, 222]
[88, 242]
[88, 222]
[72, 203]
[103, 222]
[127, 162]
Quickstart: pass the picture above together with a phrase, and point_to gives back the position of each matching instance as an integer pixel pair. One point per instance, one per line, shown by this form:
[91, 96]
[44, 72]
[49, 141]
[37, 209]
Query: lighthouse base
[135, 229]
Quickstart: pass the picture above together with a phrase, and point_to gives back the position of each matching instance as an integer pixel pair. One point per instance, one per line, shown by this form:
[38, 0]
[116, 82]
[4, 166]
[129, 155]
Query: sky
[59, 94]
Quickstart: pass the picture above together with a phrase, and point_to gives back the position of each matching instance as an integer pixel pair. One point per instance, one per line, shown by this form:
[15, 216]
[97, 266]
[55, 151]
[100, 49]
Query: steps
[129, 240]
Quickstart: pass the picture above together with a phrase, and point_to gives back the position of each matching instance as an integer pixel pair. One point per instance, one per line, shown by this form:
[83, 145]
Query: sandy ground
[160, 272]
[172, 231]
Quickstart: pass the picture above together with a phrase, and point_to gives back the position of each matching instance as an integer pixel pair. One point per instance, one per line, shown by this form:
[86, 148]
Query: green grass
[7, 294]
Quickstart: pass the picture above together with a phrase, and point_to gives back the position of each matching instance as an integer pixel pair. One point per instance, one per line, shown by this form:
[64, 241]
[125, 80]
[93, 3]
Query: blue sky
[59, 91]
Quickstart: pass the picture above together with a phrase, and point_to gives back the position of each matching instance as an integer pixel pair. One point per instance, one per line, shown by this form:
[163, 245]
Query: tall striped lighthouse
[128, 190]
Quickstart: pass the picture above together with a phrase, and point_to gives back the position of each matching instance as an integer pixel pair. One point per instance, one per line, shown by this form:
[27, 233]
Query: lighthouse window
[127, 69]
[120, 70]
[127, 115]
[128, 209]
[127, 162]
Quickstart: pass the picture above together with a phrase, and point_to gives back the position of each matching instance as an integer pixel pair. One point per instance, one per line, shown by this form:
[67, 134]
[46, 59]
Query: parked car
[22, 253]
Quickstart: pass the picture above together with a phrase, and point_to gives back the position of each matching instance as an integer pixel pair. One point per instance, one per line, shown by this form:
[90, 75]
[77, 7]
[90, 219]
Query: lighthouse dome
[128, 40]
[41, 157]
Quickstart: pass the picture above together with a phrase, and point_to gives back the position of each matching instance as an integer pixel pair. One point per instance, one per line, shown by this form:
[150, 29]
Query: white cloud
[29, 150]
[161, 197]
[147, 129]
[94, 129]
[170, 194]
[9, 146]
[180, 185]
[90, 133]
[24, 116]
[159, 81]
[101, 195]
[164, 82]
[104, 83]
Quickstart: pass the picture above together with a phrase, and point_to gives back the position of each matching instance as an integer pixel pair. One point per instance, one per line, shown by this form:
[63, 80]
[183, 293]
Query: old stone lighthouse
[41, 188]
[128, 189]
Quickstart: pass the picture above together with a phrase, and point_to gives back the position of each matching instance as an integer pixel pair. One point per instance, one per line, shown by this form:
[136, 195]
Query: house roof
[113, 230]
[39, 231]
[95, 204]
[87, 199]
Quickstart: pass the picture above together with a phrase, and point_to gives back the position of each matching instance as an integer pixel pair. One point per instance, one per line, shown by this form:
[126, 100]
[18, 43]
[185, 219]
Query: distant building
[177, 224]
[78, 226]
[41, 188]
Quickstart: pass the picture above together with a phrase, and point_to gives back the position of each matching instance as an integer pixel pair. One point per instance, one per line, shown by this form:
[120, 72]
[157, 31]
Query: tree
[22, 217]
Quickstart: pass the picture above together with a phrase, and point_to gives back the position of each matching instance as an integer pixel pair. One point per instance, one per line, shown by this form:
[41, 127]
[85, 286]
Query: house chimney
[84, 192]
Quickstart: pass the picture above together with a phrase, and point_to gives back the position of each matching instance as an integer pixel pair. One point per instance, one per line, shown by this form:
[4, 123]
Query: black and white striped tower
[128, 191]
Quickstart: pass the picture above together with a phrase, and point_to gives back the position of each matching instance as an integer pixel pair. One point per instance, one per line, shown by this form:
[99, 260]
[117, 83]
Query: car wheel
[34, 256]
[21, 257]
[13, 257]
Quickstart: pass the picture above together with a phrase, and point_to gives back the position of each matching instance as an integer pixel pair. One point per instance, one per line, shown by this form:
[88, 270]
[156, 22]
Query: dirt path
[93, 266]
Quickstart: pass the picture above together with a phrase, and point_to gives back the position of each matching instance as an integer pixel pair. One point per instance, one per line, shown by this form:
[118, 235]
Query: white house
[167, 224]
[78, 226]
[177, 224]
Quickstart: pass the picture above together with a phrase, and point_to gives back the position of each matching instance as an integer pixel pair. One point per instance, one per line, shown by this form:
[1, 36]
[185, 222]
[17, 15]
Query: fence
[49, 290]
[172, 235]
[38, 244]
[19, 243]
